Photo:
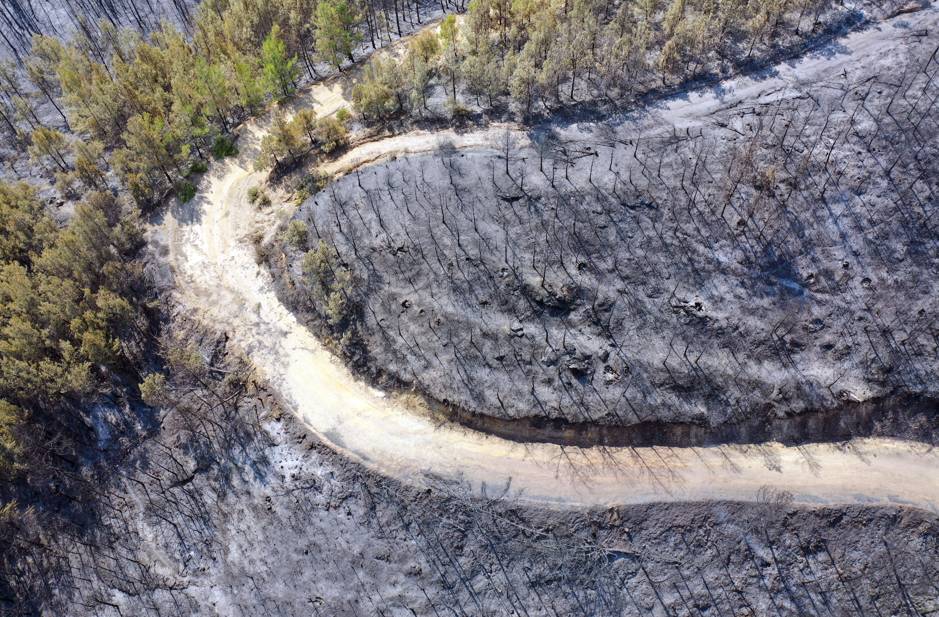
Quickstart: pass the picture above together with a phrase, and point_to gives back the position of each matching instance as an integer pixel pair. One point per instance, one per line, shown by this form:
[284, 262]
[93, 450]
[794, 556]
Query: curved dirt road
[209, 246]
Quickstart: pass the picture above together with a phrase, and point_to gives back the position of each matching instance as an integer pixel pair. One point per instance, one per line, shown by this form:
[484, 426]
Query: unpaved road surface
[208, 245]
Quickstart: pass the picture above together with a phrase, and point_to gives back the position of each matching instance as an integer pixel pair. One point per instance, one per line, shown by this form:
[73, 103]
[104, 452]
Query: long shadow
[899, 416]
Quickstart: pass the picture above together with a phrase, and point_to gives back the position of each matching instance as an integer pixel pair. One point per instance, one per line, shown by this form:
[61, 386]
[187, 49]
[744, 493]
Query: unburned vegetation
[72, 324]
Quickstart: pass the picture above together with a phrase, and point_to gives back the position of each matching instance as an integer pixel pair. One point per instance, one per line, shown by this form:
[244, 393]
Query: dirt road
[208, 245]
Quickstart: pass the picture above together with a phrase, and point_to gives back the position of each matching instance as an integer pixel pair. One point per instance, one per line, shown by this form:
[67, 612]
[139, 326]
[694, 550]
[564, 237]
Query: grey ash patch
[255, 517]
[775, 259]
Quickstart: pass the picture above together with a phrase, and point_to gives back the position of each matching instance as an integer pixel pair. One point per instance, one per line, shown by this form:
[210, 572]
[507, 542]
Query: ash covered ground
[231, 508]
[700, 262]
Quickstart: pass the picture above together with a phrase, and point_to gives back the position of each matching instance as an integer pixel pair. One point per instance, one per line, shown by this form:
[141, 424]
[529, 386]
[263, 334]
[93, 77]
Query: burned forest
[426, 308]
[733, 270]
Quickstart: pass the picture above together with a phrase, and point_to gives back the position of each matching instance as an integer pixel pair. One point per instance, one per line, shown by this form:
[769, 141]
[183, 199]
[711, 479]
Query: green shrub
[317, 265]
[10, 449]
[262, 250]
[185, 190]
[310, 185]
[337, 306]
[374, 96]
[198, 167]
[296, 234]
[331, 133]
[153, 390]
[333, 284]
[258, 197]
[66, 182]
[224, 146]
